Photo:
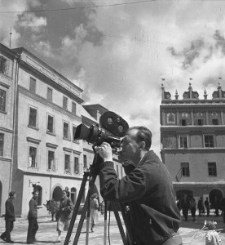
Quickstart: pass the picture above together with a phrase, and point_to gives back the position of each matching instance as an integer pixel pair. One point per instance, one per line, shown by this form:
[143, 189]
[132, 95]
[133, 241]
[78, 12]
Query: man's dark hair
[143, 134]
[11, 193]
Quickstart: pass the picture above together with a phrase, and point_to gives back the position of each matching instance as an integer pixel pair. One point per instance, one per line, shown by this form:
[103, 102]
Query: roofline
[9, 51]
[22, 49]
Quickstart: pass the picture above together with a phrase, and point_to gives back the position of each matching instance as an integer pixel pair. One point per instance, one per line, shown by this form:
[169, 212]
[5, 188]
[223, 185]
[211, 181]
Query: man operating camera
[145, 194]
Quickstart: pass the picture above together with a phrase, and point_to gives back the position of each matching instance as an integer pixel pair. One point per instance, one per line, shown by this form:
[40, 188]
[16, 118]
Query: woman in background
[94, 205]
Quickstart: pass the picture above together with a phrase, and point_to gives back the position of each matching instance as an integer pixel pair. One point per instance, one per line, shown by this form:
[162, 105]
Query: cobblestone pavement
[47, 233]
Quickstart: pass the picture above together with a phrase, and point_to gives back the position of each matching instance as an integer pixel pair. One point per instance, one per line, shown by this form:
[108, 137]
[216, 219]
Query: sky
[121, 51]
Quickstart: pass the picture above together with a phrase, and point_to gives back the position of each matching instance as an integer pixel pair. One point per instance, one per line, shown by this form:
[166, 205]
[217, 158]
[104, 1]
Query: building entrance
[57, 194]
[215, 196]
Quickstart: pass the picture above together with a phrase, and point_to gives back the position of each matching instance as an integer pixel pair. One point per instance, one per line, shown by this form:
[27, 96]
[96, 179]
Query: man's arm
[129, 188]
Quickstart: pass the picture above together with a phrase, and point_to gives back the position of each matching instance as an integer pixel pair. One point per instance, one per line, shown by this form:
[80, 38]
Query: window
[65, 103]
[1, 144]
[170, 118]
[2, 65]
[50, 126]
[66, 130]
[33, 117]
[85, 161]
[32, 157]
[67, 163]
[32, 85]
[49, 94]
[74, 130]
[212, 169]
[74, 108]
[183, 142]
[183, 122]
[2, 100]
[76, 165]
[51, 160]
[215, 121]
[209, 140]
[185, 169]
[200, 122]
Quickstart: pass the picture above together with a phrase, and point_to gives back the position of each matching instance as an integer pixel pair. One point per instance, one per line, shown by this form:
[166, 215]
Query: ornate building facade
[193, 143]
[39, 112]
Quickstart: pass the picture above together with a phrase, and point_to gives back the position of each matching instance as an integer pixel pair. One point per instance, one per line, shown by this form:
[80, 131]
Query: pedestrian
[178, 202]
[9, 218]
[217, 204]
[185, 205]
[222, 204]
[193, 209]
[32, 219]
[145, 195]
[94, 205]
[67, 192]
[200, 207]
[207, 206]
[63, 215]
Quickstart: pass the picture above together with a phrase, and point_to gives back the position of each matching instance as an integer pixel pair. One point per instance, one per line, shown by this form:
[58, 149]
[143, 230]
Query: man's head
[35, 194]
[64, 194]
[12, 194]
[135, 144]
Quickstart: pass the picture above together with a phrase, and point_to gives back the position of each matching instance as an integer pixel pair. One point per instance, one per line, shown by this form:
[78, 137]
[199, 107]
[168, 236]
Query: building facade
[39, 112]
[8, 71]
[193, 143]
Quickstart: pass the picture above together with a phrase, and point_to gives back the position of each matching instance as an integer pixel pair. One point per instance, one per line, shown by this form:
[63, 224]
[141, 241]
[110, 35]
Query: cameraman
[145, 194]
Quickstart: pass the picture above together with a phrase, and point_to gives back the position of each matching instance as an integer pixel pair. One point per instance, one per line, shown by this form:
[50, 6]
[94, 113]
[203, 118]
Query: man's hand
[105, 151]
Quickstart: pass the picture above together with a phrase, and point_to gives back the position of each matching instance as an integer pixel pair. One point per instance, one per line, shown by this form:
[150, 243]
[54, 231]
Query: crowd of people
[189, 204]
[63, 213]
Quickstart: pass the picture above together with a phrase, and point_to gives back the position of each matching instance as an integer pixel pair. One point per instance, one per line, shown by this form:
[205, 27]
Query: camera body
[113, 127]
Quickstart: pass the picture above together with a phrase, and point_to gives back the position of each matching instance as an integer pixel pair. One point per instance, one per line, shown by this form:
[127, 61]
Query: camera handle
[86, 211]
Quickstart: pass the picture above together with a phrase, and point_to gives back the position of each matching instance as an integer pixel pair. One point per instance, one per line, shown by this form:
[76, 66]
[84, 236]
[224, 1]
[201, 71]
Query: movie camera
[113, 127]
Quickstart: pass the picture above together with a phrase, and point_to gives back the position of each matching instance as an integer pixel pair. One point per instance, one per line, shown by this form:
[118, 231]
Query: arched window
[73, 194]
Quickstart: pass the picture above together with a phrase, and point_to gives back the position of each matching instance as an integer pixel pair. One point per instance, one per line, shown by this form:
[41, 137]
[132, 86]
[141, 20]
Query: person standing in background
[193, 209]
[63, 215]
[9, 218]
[32, 219]
[94, 205]
[207, 206]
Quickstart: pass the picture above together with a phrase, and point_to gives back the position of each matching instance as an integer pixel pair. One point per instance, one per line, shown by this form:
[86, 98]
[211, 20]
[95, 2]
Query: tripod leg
[105, 223]
[119, 223]
[75, 211]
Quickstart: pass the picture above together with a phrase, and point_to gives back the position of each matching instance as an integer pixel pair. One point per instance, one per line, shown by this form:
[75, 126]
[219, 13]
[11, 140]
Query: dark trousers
[8, 228]
[32, 229]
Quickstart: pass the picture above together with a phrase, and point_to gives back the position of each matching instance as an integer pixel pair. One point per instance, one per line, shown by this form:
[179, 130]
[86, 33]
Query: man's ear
[142, 145]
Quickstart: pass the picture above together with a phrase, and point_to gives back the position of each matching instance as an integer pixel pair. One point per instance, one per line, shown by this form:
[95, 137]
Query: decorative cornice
[52, 174]
[88, 150]
[48, 103]
[4, 85]
[77, 152]
[67, 149]
[50, 145]
[5, 159]
[193, 150]
[6, 130]
[32, 140]
[194, 104]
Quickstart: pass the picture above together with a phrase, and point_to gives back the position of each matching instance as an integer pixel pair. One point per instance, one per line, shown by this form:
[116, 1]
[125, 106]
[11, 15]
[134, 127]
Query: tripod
[91, 176]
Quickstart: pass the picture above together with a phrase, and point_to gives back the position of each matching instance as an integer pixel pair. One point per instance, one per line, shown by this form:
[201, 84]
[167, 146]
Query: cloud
[119, 54]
